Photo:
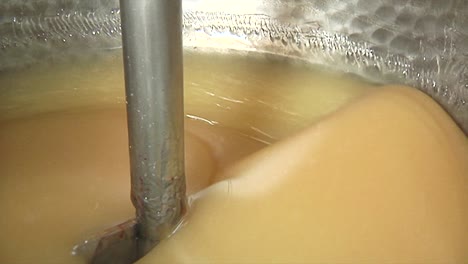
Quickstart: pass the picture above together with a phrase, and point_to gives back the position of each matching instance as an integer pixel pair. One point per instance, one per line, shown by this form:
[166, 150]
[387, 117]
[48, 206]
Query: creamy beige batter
[64, 174]
[63, 142]
[381, 181]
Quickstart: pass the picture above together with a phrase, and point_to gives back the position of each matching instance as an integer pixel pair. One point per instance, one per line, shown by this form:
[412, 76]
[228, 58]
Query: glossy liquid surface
[384, 180]
[63, 141]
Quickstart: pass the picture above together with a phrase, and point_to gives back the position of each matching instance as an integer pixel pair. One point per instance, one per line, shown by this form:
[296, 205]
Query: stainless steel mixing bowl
[415, 42]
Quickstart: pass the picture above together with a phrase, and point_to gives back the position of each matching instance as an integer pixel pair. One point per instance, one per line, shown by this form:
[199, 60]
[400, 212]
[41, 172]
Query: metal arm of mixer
[152, 47]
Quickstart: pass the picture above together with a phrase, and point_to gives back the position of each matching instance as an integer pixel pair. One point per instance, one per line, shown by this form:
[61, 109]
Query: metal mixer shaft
[152, 48]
